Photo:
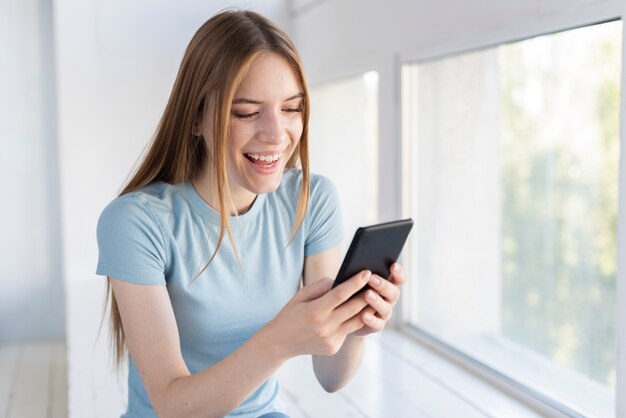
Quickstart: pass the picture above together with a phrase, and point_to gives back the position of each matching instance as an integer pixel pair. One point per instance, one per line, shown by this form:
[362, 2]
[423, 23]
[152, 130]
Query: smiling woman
[208, 319]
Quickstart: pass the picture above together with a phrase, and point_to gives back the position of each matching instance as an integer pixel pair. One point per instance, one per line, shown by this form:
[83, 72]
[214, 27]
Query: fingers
[398, 275]
[389, 291]
[383, 308]
[372, 321]
[366, 313]
[363, 324]
[345, 290]
[315, 290]
[350, 308]
[352, 325]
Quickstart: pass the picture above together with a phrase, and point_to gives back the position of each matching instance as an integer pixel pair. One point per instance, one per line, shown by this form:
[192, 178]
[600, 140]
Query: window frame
[539, 401]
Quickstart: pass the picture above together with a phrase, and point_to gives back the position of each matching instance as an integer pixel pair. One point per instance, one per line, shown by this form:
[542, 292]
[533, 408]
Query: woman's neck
[242, 199]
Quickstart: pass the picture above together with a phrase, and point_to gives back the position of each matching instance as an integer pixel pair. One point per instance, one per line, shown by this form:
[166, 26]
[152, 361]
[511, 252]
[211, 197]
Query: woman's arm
[334, 372]
[153, 341]
[315, 321]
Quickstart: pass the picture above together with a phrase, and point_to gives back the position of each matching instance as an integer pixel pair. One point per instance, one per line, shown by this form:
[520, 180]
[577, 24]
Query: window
[343, 139]
[511, 174]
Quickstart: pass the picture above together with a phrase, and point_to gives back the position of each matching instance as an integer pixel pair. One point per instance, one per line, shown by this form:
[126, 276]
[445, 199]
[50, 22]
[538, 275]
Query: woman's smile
[264, 163]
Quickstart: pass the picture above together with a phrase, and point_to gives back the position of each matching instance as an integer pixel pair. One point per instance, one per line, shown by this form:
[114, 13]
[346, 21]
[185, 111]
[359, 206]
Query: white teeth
[271, 158]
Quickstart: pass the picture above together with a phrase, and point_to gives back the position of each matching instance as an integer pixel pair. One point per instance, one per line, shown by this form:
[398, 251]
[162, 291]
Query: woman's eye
[244, 115]
[293, 109]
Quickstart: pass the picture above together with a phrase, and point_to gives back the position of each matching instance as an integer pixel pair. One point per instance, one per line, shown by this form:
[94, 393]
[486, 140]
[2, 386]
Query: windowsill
[401, 378]
[568, 387]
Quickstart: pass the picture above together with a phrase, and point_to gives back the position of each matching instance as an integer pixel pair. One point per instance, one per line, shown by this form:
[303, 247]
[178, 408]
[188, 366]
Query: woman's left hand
[382, 297]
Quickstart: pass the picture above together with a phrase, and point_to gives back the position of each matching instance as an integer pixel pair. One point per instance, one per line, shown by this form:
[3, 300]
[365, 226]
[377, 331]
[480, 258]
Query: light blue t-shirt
[164, 234]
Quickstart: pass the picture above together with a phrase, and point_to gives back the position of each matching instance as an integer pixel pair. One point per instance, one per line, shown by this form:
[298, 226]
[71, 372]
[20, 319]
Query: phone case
[374, 248]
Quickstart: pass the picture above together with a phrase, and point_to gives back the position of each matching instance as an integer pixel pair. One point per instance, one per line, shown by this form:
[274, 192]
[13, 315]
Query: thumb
[316, 289]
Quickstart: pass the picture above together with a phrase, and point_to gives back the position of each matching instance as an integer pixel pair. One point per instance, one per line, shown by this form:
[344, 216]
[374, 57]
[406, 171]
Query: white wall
[116, 63]
[31, 285]
[343, 146]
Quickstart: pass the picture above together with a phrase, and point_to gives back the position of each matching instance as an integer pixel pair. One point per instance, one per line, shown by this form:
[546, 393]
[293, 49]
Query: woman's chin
[261, 183]
[263, 187]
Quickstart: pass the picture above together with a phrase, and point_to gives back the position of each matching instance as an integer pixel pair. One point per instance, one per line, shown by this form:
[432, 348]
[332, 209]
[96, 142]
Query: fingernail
[367, 274]
[376, 281]
[371, 296]
[397, 268]
[368, 317]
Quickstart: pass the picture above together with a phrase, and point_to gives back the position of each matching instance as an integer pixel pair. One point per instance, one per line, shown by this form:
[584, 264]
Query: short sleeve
[325, 222]
[131, 244]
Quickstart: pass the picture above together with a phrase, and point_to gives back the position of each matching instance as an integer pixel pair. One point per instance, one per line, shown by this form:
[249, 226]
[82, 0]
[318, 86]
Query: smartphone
[374, 248]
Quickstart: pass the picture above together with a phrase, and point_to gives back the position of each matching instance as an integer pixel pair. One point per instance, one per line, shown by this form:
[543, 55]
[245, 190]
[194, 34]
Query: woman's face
[265, 127]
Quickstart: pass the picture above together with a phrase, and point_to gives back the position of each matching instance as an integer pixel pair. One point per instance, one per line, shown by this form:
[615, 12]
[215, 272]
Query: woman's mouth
[266, 160]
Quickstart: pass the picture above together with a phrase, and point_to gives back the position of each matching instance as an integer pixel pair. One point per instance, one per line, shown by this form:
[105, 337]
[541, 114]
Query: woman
[206, 247]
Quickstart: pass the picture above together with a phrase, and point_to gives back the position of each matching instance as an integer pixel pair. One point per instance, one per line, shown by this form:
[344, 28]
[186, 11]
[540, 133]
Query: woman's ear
[196, 130]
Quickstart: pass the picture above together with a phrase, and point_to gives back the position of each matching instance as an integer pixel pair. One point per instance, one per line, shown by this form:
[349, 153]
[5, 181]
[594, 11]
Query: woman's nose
[272, 129]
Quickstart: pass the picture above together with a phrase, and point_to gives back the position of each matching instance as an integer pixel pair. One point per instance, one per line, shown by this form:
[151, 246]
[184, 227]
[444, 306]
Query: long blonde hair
[212, 68]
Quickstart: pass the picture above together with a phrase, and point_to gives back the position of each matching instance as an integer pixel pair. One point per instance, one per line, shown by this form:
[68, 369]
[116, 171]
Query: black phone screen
[374, 248]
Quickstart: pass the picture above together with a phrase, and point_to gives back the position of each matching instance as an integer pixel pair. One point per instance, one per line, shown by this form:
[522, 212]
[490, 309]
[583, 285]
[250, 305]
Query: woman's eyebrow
[250, 101]
[295, 96]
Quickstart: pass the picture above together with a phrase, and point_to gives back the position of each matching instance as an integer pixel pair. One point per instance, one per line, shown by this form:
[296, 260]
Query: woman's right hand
[318, 319]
